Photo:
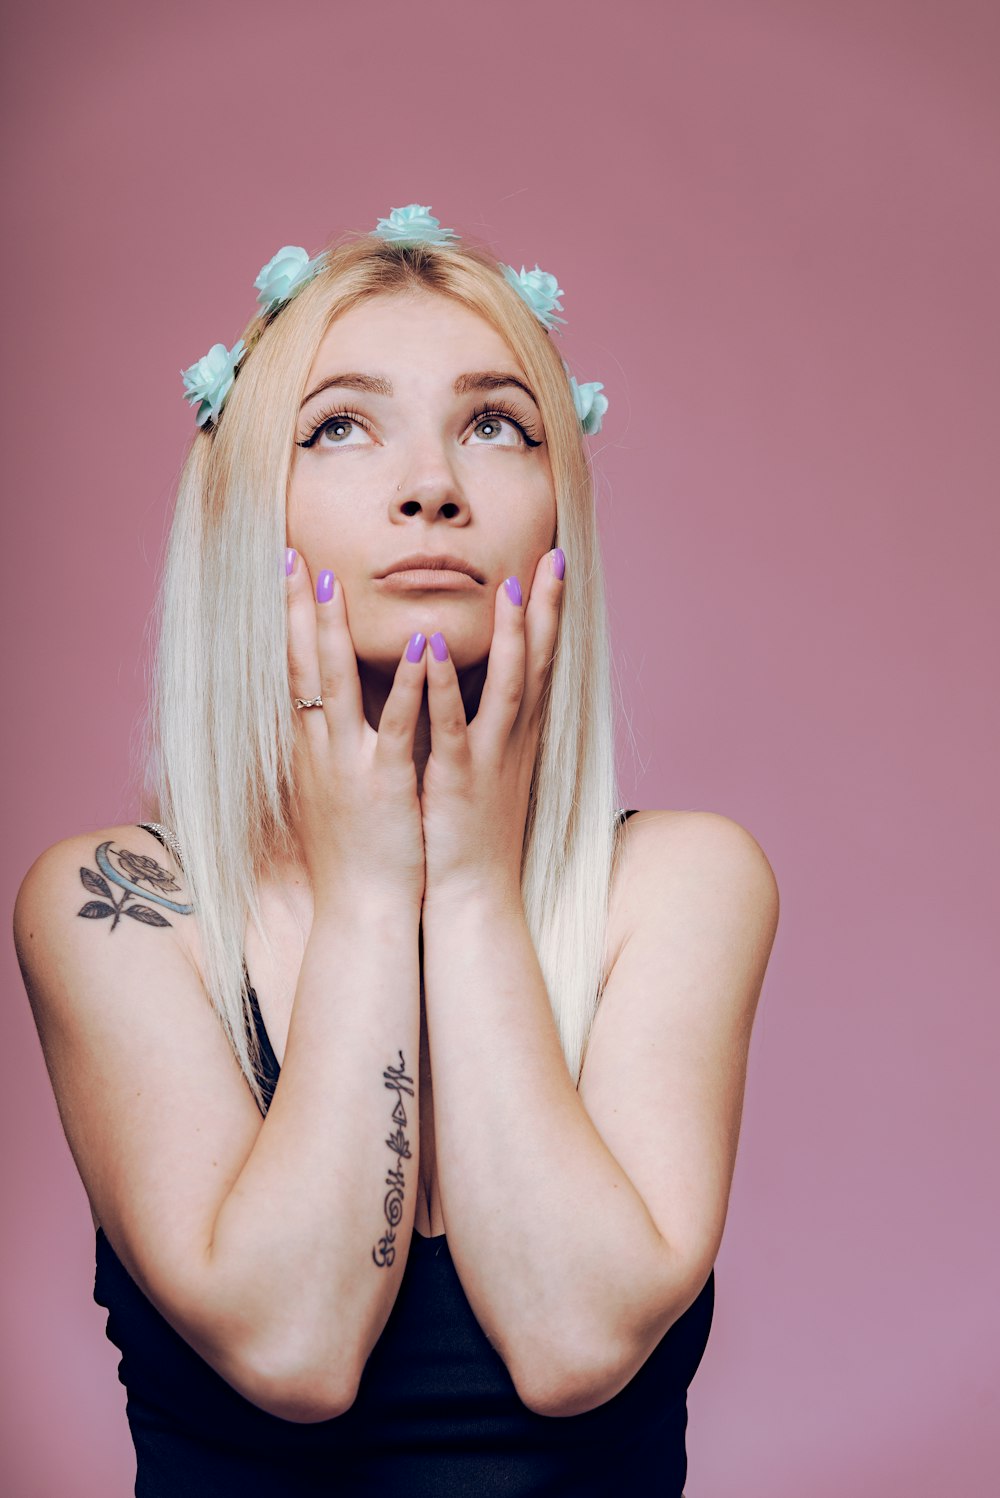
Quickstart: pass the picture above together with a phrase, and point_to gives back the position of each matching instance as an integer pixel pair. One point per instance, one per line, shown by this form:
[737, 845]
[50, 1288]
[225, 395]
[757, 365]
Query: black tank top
[436, 1415]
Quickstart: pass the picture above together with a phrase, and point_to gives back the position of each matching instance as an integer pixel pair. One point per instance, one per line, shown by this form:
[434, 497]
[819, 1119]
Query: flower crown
[208, 382]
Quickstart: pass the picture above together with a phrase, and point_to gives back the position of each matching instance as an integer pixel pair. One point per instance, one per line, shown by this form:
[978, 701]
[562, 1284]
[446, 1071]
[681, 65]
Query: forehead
[396, 330]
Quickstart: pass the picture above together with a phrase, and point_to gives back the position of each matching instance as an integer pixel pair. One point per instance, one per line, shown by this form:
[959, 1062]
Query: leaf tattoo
[142, 869]
[94, 883]
[146, 915]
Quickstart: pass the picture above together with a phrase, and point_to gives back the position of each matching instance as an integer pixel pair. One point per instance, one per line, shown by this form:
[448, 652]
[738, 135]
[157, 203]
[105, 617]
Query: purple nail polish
[415, 649]
[438, 646]
[324, 587]
[290, 555]
[513, 589]
[559, 562]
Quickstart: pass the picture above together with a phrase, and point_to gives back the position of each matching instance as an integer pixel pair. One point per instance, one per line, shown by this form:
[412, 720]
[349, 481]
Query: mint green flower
[413, 225]
[539, 290]
[210, 379]
[590, 404]
[283, 275]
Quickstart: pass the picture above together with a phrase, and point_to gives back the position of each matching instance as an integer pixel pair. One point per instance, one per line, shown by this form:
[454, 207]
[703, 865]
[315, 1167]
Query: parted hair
[219, 730]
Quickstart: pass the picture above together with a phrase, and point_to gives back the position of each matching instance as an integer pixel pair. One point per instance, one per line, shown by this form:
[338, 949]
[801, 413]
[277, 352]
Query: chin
[383, 654]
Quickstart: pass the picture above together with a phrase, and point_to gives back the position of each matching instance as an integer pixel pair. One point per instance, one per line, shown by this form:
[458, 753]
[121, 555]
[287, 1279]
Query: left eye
[494, 417]
[491, 422]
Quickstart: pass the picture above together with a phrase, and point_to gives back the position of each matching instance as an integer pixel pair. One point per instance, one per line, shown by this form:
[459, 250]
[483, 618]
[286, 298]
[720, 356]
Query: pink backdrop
[777, 230]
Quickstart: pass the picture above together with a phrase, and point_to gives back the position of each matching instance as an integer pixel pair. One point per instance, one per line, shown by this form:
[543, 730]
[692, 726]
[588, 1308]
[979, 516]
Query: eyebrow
[484, 379]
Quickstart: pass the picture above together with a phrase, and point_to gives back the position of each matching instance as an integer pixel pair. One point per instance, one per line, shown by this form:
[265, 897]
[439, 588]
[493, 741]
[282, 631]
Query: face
[378, 476]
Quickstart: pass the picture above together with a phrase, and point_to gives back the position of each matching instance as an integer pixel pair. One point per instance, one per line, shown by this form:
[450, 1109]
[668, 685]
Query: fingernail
[415, 649]
[438, 646]
[513, 589]
[559, 562]
[324, 587]
[290, 555]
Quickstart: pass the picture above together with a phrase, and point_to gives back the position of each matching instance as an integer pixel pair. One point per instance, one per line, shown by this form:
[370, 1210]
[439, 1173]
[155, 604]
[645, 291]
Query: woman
[382, 1196]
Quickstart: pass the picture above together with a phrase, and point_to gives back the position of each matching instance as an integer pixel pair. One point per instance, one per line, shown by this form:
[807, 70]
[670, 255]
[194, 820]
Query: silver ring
[308, 702]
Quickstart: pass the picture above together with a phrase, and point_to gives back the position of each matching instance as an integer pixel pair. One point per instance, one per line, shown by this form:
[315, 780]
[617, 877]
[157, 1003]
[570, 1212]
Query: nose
[431, 489]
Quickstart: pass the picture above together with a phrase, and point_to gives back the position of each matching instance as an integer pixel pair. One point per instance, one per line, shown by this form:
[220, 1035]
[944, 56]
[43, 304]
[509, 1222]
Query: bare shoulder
[688, 860]
[115, 879]
[710, 853]
[102, 903]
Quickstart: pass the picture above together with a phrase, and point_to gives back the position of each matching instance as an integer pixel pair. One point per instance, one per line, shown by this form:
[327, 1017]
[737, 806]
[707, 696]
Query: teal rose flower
[590, 404]
[539, 290]
[413, 224]
[283, 275]
[210, 379]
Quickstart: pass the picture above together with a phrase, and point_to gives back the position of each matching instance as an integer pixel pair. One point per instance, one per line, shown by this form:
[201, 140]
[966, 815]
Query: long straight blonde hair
[217, 756]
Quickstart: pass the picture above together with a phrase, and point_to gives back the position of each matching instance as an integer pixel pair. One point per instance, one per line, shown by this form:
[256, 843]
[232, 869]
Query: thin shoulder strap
[166, 837]
[624, 815]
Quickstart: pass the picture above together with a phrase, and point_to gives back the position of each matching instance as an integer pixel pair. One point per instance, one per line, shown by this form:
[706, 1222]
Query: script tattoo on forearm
[128, 873]
[396, 1080]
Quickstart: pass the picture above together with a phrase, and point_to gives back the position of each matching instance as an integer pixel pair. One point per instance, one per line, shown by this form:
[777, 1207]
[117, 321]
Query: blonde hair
[220, 724]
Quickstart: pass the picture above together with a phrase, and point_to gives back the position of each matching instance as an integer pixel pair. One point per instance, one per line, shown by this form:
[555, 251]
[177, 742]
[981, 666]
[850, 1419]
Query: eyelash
[498, 409]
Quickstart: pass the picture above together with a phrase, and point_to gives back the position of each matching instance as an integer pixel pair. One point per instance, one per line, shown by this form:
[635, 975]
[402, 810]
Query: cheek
[545, 506]
[298, 504]
[539, 521]
[313, 512]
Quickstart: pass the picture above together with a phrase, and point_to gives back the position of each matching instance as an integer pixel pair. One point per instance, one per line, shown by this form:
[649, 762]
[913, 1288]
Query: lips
[433, 562]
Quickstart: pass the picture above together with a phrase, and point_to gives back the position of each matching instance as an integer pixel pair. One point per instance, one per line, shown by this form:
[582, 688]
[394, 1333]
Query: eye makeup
[498, 410]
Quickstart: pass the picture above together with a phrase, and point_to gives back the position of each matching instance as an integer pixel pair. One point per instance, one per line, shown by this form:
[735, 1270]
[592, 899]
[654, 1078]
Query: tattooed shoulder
[126, 883]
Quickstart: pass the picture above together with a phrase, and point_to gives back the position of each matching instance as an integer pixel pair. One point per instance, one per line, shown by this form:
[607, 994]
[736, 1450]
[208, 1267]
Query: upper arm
[665, 1071]
[156, 1112]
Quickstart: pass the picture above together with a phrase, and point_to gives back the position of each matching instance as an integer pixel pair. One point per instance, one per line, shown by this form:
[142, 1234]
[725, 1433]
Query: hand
[477, 779]
[356, 811]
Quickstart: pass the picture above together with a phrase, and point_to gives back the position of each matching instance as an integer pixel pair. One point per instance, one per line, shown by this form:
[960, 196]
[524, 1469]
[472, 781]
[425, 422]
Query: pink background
[776, 226]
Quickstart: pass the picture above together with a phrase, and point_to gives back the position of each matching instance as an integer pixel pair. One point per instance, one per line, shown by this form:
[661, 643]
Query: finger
[446, 709]
[340, 683]
[303, 665]
[541, 626]
[504, 686]
[397, 727]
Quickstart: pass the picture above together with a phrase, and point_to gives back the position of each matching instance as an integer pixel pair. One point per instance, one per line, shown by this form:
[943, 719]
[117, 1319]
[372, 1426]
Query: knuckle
[392, 727]
[331, 670]
[299, 593]
[408, 683]
[513, 691]
[541, 662]
[298, 681]
[453, 723]
[327, 633]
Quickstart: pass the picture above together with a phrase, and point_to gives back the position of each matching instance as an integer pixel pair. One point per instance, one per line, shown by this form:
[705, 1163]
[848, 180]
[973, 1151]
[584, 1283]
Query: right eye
[333, 425]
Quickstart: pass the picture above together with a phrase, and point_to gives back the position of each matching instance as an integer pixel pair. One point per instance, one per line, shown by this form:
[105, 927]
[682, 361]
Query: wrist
[489, 896]
[375, 907]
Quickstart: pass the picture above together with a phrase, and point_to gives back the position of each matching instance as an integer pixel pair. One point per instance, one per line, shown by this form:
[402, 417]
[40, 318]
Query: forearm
[306, 1243]
[555, 1247]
